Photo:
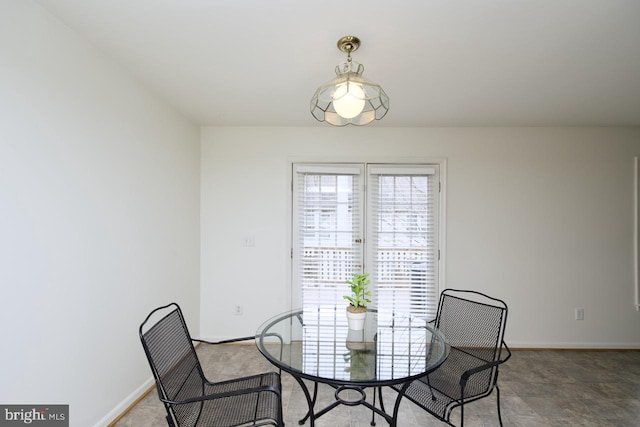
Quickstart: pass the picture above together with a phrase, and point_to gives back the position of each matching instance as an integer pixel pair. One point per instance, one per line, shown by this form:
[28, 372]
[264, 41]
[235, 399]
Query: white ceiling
[442, 62]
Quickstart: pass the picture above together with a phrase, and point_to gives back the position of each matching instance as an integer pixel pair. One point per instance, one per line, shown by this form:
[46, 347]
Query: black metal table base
[311, 415]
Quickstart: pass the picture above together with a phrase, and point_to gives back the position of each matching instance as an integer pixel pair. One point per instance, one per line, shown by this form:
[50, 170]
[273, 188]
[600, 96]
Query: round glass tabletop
[316, 343]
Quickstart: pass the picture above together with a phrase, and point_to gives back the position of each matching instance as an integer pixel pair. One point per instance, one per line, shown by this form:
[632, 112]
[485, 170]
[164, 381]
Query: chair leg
[461, 406]
[498, 399]
[433, 396]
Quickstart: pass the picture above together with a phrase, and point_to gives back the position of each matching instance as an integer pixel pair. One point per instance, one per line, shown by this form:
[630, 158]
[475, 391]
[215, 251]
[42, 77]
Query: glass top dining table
[315, 343]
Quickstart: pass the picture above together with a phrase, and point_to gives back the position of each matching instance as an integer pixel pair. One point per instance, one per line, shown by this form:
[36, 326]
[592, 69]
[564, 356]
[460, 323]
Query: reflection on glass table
[316, 344]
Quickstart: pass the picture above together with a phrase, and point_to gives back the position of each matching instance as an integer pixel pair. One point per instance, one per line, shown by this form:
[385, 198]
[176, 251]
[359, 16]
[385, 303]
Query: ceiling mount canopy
[348, 44]
[349, 98]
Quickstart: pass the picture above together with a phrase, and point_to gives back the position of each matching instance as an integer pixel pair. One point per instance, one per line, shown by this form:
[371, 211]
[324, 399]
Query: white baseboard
[122, 406]
[574, 345]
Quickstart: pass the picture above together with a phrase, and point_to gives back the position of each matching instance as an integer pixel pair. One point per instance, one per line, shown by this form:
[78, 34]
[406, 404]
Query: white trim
[122, 406]
[442, 238]
[288, 254]
[514, 345]
[636, 232]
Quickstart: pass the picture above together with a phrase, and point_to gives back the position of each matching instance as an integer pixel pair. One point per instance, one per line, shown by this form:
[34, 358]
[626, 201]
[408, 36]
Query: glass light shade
[349, 98]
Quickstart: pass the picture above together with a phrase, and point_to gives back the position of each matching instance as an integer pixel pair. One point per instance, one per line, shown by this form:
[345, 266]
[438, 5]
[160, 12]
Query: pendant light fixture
[349, 98]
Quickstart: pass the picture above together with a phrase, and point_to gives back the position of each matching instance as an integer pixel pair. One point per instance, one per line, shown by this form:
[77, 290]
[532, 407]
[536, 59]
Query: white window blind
[401, 225]
[327, 232]
[403, 237]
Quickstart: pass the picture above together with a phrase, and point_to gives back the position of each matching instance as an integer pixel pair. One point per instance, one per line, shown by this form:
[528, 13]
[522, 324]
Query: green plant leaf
[359, 291]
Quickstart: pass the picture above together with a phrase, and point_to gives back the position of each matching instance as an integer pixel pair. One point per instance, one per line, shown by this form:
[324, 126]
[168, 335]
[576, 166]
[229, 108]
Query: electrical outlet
[237, 310]
[579, 314]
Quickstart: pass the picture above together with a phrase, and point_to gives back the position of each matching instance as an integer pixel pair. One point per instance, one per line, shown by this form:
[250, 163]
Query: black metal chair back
[189, 398]
[173, 361]
[474, 326]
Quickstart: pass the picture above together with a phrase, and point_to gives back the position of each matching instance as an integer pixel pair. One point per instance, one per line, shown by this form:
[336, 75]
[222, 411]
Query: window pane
[403, 239]
[328, 214]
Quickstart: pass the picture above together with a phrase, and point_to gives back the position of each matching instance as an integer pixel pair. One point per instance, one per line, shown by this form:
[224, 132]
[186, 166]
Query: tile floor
[538, 388]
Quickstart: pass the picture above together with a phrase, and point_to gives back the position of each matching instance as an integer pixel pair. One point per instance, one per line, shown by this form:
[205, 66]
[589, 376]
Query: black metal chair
[189, 398]
[474, 325]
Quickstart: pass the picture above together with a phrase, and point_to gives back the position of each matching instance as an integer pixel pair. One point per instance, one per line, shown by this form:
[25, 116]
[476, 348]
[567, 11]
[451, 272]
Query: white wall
[541, 217]
[99, 219]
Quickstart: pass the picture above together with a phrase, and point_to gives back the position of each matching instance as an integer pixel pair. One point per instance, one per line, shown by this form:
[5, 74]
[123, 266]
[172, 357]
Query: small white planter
[356, 320]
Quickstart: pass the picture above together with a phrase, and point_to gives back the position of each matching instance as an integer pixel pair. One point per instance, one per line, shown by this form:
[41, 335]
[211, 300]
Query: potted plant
[358, 300]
